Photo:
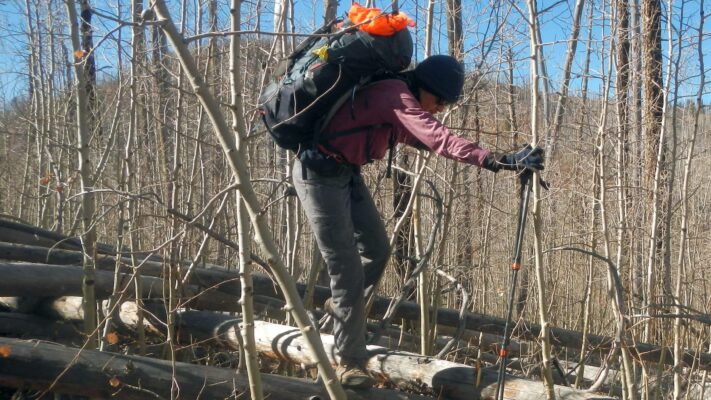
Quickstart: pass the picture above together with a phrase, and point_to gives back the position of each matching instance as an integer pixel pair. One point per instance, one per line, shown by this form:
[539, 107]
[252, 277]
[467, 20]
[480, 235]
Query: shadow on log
[31, 326]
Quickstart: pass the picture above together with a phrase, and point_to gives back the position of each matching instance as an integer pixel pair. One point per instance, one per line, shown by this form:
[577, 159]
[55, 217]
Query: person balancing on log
[345, 221]
[339, 102]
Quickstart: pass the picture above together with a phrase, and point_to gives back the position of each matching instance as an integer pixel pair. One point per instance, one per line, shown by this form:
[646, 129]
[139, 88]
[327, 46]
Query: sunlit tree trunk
[684, 229]
[622, 98]
[618, 305]
[636, 165]
[159, 106]
[55, 158]
[40, 118]
[454, 28]
[87, 184]
[670, 127]
[563, 94]
[655, 152]
[536, 212]
[32, 92]
[245, 262]
[87, 44]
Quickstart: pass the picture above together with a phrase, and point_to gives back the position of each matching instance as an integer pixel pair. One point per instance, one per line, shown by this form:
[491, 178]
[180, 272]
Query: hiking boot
[354, 377]
[328, 305]
[327, 317]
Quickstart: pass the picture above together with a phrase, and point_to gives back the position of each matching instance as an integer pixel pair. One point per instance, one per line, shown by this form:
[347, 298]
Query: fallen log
[446, 379]
[228, 283]
[17, 232]
[558, 336]
[213, 277]
[208, 329]
[42, 280]
[50, 367]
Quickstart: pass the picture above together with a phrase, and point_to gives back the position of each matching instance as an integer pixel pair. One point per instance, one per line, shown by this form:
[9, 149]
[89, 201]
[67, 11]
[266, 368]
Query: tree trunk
[330, 8]
[405, 370]
[455, 41]
[655, 152]
[563, 95]
[536, 212]
[684, 234]
[28, 326]
[240, 131]
[87, 183]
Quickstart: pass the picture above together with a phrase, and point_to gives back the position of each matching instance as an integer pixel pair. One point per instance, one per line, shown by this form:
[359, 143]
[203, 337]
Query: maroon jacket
[397, 116]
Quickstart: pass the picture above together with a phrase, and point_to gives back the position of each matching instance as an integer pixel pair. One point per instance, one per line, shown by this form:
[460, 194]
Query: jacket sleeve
[417, 125]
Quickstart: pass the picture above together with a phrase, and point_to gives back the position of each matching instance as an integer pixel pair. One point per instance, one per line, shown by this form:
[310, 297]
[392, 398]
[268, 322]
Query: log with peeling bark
[407, 370]
[223, 280]
[51, 367]
[227, 282]
[444, 378]
[201, 327]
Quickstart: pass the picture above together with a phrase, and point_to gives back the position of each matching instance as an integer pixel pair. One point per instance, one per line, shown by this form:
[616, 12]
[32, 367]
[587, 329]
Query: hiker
[348, 228]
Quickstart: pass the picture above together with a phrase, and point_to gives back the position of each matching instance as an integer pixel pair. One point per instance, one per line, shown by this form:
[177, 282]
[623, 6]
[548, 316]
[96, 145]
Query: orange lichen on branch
[112, 338]
[79, 54]
[46, 179]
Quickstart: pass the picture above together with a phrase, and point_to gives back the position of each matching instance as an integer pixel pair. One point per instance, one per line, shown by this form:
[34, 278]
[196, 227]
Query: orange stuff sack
[380, 24]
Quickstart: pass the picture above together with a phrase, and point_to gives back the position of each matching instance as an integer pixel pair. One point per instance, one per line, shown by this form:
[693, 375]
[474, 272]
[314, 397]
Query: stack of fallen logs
[40, 293]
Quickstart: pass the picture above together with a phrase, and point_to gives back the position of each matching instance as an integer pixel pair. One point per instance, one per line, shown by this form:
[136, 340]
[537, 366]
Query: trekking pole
[526, 178]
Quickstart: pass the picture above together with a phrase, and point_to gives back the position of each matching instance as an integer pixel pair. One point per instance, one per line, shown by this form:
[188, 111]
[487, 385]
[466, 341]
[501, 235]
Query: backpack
[321, 74]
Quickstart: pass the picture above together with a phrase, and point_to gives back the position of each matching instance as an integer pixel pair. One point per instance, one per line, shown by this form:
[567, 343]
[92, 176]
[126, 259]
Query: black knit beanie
[442, 76]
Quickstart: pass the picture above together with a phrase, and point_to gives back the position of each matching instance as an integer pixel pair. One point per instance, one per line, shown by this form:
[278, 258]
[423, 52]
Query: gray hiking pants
[352, 239]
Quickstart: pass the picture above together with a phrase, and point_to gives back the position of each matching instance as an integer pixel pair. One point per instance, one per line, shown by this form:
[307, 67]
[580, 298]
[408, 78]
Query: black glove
[526, 158]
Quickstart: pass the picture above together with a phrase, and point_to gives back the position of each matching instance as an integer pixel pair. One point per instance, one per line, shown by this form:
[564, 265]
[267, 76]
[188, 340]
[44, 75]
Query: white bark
[536, 212]
[684, 234]
[563, 95]
[245, 262]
